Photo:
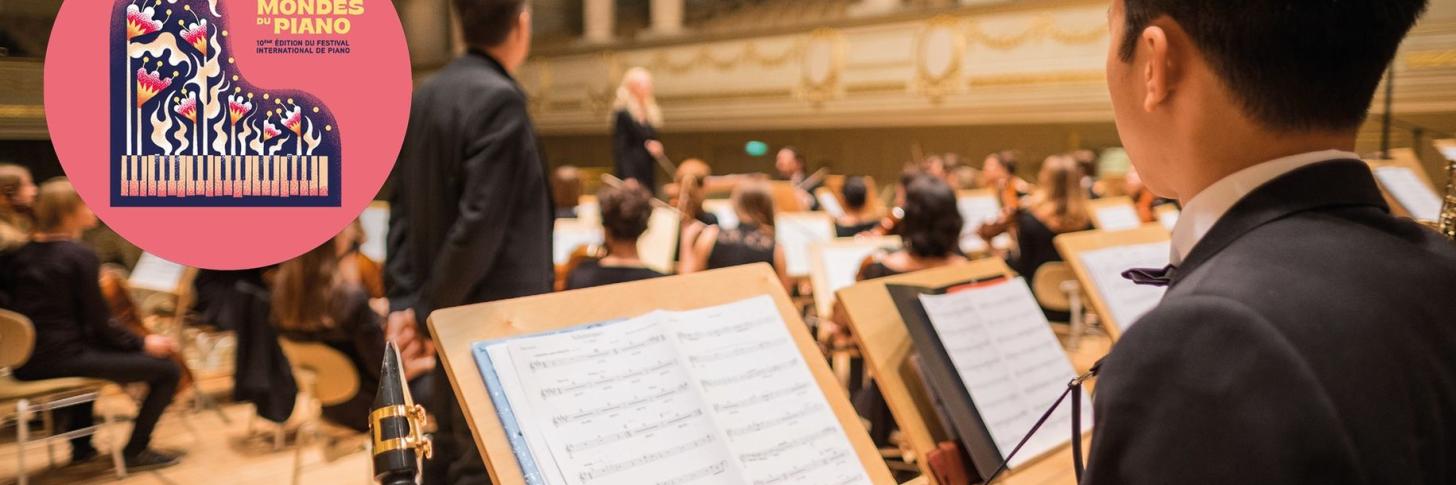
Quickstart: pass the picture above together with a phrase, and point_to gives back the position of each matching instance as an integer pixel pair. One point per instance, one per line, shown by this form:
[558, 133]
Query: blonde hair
[1060, 198]
[647, 111]
[56, 201]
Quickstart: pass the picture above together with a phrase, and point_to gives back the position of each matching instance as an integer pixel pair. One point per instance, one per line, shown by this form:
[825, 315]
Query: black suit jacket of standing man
[471, 215]
[1308, 338]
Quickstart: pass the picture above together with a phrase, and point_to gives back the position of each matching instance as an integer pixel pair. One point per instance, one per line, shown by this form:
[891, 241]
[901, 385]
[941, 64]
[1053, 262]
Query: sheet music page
[569, 236]
[612, 405]
[1009, 360]
[1448, 151]
[763, 397]
[1127, 302]
[723, 209]
[842, 262]
[976, 211]
[156, 274]
[1118, 218]
[658, 246]
[1413, 194]
[375, 221]
[795, 234]
[829, 203]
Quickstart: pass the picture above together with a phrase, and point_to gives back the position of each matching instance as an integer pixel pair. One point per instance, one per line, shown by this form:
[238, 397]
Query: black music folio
[952, 399]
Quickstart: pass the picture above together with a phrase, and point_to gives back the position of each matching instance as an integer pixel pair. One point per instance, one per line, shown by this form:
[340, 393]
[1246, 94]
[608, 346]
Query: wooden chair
[325, 377]
[22, 400]
[1056, 288]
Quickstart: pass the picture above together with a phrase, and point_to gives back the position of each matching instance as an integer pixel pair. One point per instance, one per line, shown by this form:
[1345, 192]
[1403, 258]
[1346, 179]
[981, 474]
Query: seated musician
[17, 193]
[625, 212]
[55, 281]
[566, 190]
[1058, 206]
[707, 247]
[690, 185]
[858, 216]
[999, 171]
[321, 297]
[931, 230]
[792, 167]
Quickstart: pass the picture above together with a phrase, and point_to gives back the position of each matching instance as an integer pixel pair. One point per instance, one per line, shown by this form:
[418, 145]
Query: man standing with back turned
[471, 217]
[1307, 336]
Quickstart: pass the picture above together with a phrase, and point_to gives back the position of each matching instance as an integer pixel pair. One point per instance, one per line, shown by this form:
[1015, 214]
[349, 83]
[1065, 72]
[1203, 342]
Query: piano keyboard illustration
[224, 176]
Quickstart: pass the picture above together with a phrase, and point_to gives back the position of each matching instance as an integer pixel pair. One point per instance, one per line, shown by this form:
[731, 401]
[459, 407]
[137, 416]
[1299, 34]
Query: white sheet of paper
[716, 395]
[723, 209]
[975, 212]
[156, 274]
[658, 246]
[841, 263]
[795, 234]
[375, 221]
[1413, 194]
[567, 237]
[590, 213]
[1009, 360]
[829, 204]
[1118, 218]
[1127, 302]
[1448, 152]
[1168, 218]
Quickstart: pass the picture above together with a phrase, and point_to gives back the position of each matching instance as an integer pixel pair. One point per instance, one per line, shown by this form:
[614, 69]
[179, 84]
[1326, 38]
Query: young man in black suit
[1307, 336]
[471, 216]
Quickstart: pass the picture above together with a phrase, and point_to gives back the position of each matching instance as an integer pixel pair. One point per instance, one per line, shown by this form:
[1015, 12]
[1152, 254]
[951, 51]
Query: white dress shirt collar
[1205, 209]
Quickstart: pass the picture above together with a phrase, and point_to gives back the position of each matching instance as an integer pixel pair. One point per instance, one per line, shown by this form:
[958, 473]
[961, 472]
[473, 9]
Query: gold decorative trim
[703, 57]
[819, 91]
[1064, 77]
[933, 86]
[17, 111]
[739, 95]
[1042, 28]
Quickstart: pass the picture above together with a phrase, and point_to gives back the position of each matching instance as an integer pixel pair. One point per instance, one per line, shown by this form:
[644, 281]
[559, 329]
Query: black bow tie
[1151, 277]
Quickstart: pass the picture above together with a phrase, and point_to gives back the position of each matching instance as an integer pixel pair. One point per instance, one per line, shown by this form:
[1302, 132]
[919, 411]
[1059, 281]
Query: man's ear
[1158, 72]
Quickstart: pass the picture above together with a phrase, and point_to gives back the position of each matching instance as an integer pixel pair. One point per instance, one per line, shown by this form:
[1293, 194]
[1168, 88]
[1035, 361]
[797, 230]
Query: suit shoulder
[469, 84]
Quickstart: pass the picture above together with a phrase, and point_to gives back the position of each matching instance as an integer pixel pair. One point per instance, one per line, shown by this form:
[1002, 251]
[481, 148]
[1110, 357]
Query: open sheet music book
[1411, 192]
[156, 274]
[1126, 301]
[707, 396]
[992, 358]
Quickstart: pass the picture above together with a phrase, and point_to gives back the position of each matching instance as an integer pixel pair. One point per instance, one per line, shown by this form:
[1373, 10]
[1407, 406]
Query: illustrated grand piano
[189, 130]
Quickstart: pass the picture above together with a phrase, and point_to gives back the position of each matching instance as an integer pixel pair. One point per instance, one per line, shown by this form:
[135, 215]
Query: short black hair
[625, 210]
[487, 23]
[855, 192]
[1294, 65]
[932, 224]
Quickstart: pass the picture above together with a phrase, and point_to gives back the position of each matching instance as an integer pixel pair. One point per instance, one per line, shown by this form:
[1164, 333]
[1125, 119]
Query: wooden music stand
[456, 329]
[1097, 207]
[1072, 245]
[885, 343]
[785, 197]
[1401, 158]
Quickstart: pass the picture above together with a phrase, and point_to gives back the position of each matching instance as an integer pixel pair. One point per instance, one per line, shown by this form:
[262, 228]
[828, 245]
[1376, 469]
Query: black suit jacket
[471, 213]
[1309, 338]
[629, 150]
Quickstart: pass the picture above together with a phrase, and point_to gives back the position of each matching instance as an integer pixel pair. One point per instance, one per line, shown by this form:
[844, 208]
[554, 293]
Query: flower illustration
[238, 107]
[141, 22]
[188, 108]
[196, 34]
[293, 119]
[270, 131]
[149, 84]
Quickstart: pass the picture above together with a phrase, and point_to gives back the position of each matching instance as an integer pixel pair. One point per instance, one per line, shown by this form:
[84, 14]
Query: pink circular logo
[227, 134]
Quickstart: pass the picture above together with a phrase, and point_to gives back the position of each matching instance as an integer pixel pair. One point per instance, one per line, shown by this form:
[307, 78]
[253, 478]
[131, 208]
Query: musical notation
[1126, 301]
[1008, 359]
[797, 473]
[674, 407]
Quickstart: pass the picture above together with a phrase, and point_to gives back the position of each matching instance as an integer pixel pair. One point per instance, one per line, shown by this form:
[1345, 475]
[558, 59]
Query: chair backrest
[17, 339]
[326, 372]
[1047, 285]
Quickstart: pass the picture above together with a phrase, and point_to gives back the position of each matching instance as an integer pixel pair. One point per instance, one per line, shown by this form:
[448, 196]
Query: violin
[117, 292]
[1144, 204]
